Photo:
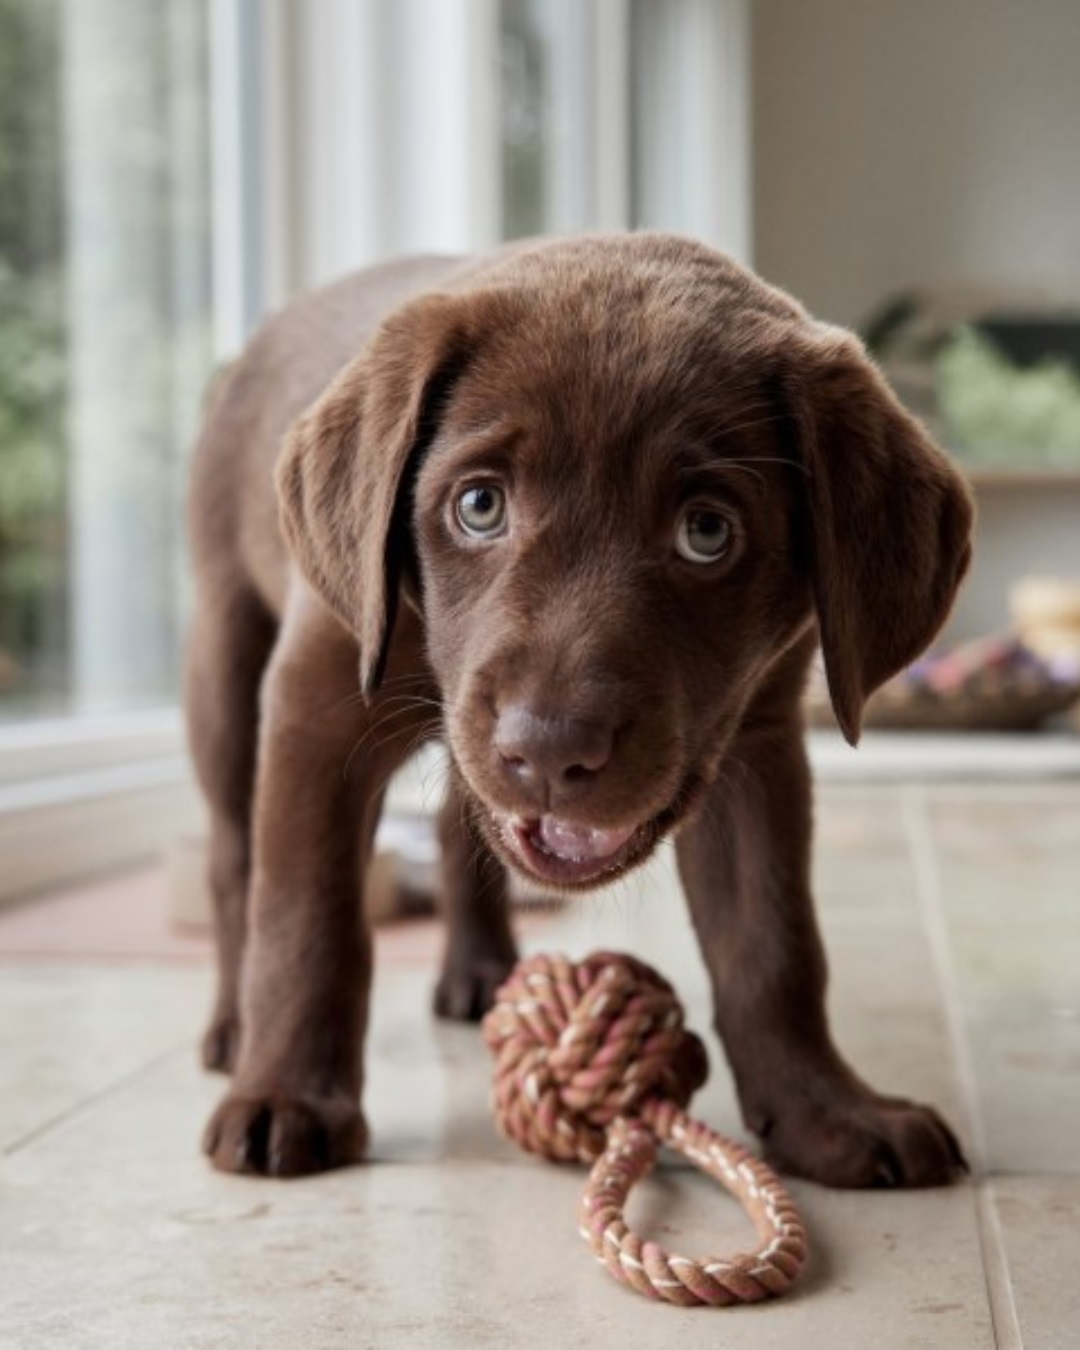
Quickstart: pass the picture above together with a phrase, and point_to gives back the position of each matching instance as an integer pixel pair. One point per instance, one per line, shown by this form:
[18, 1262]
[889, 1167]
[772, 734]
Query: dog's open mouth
[568, 854]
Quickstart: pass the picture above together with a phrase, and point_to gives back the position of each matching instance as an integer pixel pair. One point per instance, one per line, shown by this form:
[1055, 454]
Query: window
[105, 344]
[626, 114]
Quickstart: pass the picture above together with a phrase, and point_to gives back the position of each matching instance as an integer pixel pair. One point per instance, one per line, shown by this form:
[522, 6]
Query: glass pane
[526, 130]
[104, 343]
[549, 93]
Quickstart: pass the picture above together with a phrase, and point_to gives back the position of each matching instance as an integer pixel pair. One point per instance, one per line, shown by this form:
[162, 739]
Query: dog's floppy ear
[344, 471]
[888, 522]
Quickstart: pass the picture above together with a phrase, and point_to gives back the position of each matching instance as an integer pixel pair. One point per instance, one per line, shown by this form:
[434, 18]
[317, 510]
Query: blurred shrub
[997, 412]
[32, 356]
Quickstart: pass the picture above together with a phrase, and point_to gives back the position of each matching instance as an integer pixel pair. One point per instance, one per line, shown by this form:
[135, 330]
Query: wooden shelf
[1006, 479]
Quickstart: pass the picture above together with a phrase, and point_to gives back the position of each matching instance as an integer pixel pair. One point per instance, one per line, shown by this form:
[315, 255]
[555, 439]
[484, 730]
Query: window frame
[85, 794]
[81, 793]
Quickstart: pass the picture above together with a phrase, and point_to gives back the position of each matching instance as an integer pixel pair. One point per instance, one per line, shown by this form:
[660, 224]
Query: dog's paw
[220, 1043]
[278, 1135]
[466, 990]
[865, 1140]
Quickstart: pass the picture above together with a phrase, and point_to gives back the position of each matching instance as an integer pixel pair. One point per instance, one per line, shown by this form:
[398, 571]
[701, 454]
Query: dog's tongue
[580, 843]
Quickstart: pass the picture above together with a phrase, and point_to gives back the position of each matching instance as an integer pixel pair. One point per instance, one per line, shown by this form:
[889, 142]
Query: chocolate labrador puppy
[585, 509]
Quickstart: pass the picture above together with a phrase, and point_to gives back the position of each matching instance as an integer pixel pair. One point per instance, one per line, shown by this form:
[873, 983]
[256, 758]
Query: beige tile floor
[952, 917]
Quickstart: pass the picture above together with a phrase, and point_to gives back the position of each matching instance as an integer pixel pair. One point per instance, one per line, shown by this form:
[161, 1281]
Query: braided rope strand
[744, 1278]
[594, 1065]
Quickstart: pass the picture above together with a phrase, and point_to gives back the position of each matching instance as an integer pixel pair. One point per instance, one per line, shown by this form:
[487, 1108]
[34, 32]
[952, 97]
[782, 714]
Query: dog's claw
[466, 994]
[888, 1175]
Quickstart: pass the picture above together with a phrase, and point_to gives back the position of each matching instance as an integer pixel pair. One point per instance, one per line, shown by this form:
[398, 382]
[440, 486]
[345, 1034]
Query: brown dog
[582, 508]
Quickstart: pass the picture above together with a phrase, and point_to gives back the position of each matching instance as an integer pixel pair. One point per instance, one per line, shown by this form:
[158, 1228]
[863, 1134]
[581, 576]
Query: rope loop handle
[593, 1064]
[647, 1267]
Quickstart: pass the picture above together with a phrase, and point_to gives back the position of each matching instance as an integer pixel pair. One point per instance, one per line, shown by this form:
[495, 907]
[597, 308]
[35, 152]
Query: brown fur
[580, 669]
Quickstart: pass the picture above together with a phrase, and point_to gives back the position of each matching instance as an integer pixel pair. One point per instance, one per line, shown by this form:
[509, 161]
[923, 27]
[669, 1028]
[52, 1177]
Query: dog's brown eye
[703, 536]
[481, 511]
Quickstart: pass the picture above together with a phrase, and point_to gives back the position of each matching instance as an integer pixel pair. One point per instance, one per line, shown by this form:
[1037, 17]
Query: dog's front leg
[745, 865]
[294, 1105]
[480, 946]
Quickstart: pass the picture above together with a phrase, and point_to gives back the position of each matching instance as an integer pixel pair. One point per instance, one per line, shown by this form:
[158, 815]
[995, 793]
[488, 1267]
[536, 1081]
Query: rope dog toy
[593, 1064]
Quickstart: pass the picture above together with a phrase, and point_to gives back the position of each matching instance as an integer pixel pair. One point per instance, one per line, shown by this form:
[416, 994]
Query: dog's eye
[481, 511]
[703, 536]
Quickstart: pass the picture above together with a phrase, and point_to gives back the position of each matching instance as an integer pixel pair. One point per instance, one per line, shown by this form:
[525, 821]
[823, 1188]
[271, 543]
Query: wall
[919, 143]
[927, 143]
[1023, 529]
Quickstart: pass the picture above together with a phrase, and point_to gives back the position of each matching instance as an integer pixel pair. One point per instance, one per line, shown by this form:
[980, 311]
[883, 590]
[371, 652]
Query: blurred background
[170, 172]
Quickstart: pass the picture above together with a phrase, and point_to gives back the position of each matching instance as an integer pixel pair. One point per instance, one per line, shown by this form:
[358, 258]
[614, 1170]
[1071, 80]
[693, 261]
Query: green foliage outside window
[32, 356]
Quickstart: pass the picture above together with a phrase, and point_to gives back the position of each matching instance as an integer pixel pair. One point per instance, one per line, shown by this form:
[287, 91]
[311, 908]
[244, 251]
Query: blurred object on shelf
[1046, 613]
[995, 683]
[994, 373]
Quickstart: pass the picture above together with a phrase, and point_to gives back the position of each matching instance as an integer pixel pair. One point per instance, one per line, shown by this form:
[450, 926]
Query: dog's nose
[551, 752]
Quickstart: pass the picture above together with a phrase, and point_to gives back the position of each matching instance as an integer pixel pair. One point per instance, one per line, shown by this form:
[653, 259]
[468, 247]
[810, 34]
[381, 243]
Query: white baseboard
[82, 795]
[67, 830]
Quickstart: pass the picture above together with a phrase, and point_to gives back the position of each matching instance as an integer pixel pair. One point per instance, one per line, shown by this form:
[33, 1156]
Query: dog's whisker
[423, 733]
[408, 677]
[426, 730]
[349, 701]
[410, 700]
[358, 696]
[381, 784]
[745, 461]
[370, 731]
[437, 770]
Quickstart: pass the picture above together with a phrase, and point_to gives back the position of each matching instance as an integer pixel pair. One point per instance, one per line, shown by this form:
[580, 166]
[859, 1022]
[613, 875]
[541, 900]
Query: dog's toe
[867, 1141]
[283, 1136]
[465, 993]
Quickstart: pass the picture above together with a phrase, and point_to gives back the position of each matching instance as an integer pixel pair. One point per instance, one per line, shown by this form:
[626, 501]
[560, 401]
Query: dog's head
[620, 478]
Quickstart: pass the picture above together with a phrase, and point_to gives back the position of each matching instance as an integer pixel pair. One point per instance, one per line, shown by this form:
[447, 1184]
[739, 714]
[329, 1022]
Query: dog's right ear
[344, 471]
[889, 518]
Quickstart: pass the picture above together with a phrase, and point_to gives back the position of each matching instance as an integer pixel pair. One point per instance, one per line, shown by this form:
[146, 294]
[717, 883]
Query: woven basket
[1018, 708]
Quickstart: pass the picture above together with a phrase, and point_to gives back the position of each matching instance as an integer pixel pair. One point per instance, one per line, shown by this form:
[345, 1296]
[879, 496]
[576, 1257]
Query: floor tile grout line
[928, 894]
[76, 1109]
[929, 897]
[1003, 1314]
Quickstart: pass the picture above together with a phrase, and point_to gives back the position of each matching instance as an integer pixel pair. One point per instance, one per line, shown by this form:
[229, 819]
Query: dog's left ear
[888, 521]
[344, 471]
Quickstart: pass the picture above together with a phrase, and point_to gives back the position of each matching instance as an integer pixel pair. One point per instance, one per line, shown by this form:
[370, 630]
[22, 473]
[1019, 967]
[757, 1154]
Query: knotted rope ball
[593, 1064]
